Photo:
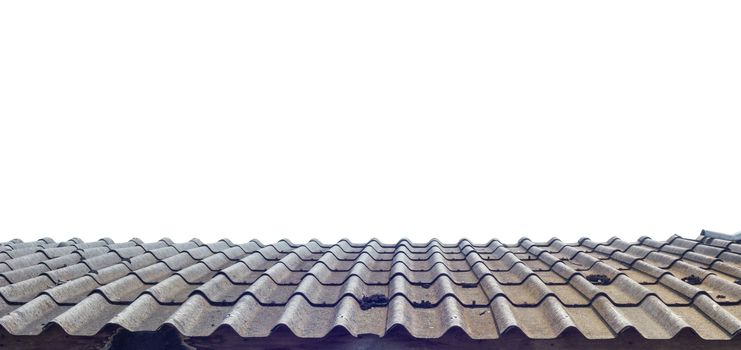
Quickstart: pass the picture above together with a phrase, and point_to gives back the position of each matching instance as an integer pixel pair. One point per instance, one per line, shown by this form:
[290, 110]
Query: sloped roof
[655, 288]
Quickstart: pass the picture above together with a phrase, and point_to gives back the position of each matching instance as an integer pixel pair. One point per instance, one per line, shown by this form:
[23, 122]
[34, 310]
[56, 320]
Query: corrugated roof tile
[599, 289]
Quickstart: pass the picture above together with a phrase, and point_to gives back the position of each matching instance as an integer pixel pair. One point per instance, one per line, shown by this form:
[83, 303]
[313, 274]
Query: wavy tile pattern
[599, 289]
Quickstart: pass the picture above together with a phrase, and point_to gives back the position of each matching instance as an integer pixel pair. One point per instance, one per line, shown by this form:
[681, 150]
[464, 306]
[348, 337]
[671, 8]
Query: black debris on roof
[692, 279]
[598, 279]
[375, 300]
[424, 304]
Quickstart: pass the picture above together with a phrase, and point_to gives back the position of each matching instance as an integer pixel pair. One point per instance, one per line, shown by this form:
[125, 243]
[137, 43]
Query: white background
[332, 119]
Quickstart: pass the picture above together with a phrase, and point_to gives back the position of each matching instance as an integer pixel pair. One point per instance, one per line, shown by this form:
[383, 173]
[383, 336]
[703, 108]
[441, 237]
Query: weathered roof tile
[599, 289]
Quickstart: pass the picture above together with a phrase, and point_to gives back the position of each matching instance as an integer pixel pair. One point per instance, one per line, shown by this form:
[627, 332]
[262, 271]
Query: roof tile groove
[600, 289]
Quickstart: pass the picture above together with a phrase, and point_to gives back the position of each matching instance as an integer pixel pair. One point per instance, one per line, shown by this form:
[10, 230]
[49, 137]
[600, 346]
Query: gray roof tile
[600, 289]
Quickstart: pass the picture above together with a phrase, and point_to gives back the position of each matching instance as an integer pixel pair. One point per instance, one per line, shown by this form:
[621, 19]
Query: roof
[540, 290]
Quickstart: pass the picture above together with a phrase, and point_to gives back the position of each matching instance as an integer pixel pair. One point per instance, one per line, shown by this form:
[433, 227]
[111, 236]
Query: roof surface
[601, 290]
